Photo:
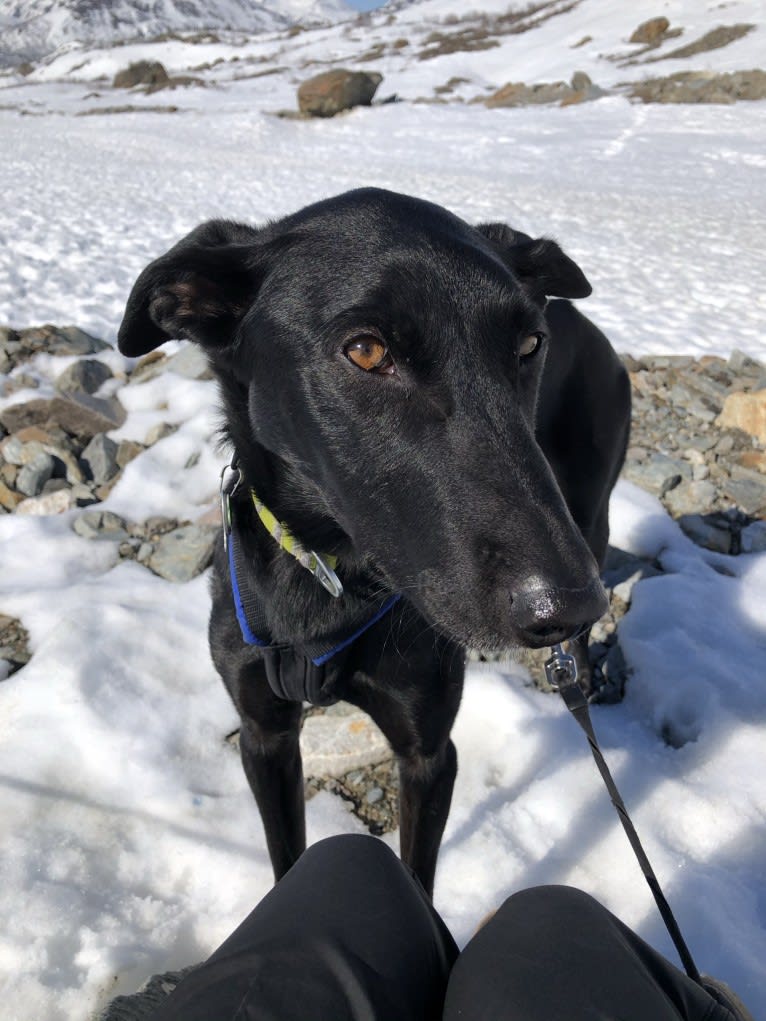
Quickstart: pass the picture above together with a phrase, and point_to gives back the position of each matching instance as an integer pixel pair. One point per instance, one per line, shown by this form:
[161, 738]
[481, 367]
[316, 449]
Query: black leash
[561, 672]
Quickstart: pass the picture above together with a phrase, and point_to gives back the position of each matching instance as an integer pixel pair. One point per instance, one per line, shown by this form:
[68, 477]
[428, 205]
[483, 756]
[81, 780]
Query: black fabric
[553, 953]
[293, 675]
[349, 935]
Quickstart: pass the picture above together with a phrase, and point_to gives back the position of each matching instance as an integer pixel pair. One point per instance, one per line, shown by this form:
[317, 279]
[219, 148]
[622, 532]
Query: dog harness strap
[561, 673]
[298, 673]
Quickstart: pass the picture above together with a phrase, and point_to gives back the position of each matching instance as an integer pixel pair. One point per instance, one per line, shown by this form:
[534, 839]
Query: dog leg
[272, 763]
[415, 709]
[425, 796]
[270, 752]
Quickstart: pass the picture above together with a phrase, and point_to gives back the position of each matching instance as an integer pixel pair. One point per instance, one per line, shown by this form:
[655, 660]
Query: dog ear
[540, 264]
[199, 290]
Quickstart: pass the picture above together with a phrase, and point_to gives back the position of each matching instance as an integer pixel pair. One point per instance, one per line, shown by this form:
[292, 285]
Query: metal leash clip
[226, 491]
[560, 669]
[326, 577]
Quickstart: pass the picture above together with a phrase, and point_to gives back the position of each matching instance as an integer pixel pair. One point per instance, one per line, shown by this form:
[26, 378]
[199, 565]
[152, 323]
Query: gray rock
[740, 363]
[100, 459]
[659, 474]
[59, 340]
[753, 538]
[85, 375]
[190, 362]
[98, 524]
[50, 503]
[747, 493]
[33, 475]
[712, 535]
[184, 553]
[329, 93]
[79, 414]
[688, 497]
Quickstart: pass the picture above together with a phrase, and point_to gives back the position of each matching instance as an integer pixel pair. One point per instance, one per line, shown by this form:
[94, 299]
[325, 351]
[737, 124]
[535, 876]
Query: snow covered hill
[30, 29]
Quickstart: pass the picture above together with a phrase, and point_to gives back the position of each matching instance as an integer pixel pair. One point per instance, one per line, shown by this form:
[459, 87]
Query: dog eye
[371, 354]
[530, 344]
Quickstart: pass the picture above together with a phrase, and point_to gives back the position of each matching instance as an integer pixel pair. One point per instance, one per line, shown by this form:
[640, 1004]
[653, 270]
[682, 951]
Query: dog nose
[545, 614]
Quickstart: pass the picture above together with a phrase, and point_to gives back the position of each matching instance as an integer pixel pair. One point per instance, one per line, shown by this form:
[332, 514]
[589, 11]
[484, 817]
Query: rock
[97, 524]
[702, 87]
[749, 494]
[332, 91]
[519, 94]
[190, 362]
[33, 475]
[659, 474]
[85, 375]
[100, 459]
[708, 531]
[184, 553]
[159, 432]
[739, 362]
[14, 644]
[51, 503]
[745, 411]
[651, 31]
[621, 567]
[79, 414]
[149, 366]
[9, 499]
[18, 453]
[59, 340]
[335, 743]
[127, 451]
[143, 72]
[753, 538]
[688, 497]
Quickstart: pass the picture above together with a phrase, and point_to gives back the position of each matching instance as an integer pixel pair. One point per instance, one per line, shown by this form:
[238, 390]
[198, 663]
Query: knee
[351, 851]
[551, 904]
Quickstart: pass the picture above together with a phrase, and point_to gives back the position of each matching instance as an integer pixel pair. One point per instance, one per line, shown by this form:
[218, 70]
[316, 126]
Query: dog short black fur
[397, 390]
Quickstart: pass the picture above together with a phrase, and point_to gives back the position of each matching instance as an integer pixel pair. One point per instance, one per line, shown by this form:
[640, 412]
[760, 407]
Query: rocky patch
[580, 90]
[14, 646]
[701, 87]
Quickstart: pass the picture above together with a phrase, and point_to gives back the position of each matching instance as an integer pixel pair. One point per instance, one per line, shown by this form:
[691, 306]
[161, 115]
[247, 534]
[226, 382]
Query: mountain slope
[33, 28]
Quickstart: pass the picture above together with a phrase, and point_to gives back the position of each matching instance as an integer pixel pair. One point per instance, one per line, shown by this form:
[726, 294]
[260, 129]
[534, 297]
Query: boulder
[143, 72]
[651, 31]
[332, 91]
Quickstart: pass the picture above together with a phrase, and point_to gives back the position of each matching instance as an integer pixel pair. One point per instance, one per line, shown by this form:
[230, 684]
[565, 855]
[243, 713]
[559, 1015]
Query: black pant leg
[347, 935]
[552, 953]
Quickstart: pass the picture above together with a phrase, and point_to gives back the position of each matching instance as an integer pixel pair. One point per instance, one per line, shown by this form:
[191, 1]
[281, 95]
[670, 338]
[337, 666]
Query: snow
[131, 843]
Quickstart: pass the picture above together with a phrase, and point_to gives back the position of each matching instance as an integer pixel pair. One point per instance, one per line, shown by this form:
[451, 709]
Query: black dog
[401, 398]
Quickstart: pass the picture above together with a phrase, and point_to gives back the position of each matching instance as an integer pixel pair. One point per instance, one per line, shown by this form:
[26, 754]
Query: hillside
[30, 29]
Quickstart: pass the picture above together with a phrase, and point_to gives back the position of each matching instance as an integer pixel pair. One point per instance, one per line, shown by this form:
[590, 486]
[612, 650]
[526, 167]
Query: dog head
[379, 362]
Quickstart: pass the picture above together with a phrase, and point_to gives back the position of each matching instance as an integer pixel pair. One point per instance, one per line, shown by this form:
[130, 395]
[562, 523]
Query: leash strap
[561, 671]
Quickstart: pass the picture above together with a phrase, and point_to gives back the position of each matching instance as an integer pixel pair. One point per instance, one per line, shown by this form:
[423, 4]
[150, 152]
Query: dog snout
[544, 614]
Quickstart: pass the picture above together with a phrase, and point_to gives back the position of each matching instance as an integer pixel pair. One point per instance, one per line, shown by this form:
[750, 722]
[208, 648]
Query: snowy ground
[130, 841]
